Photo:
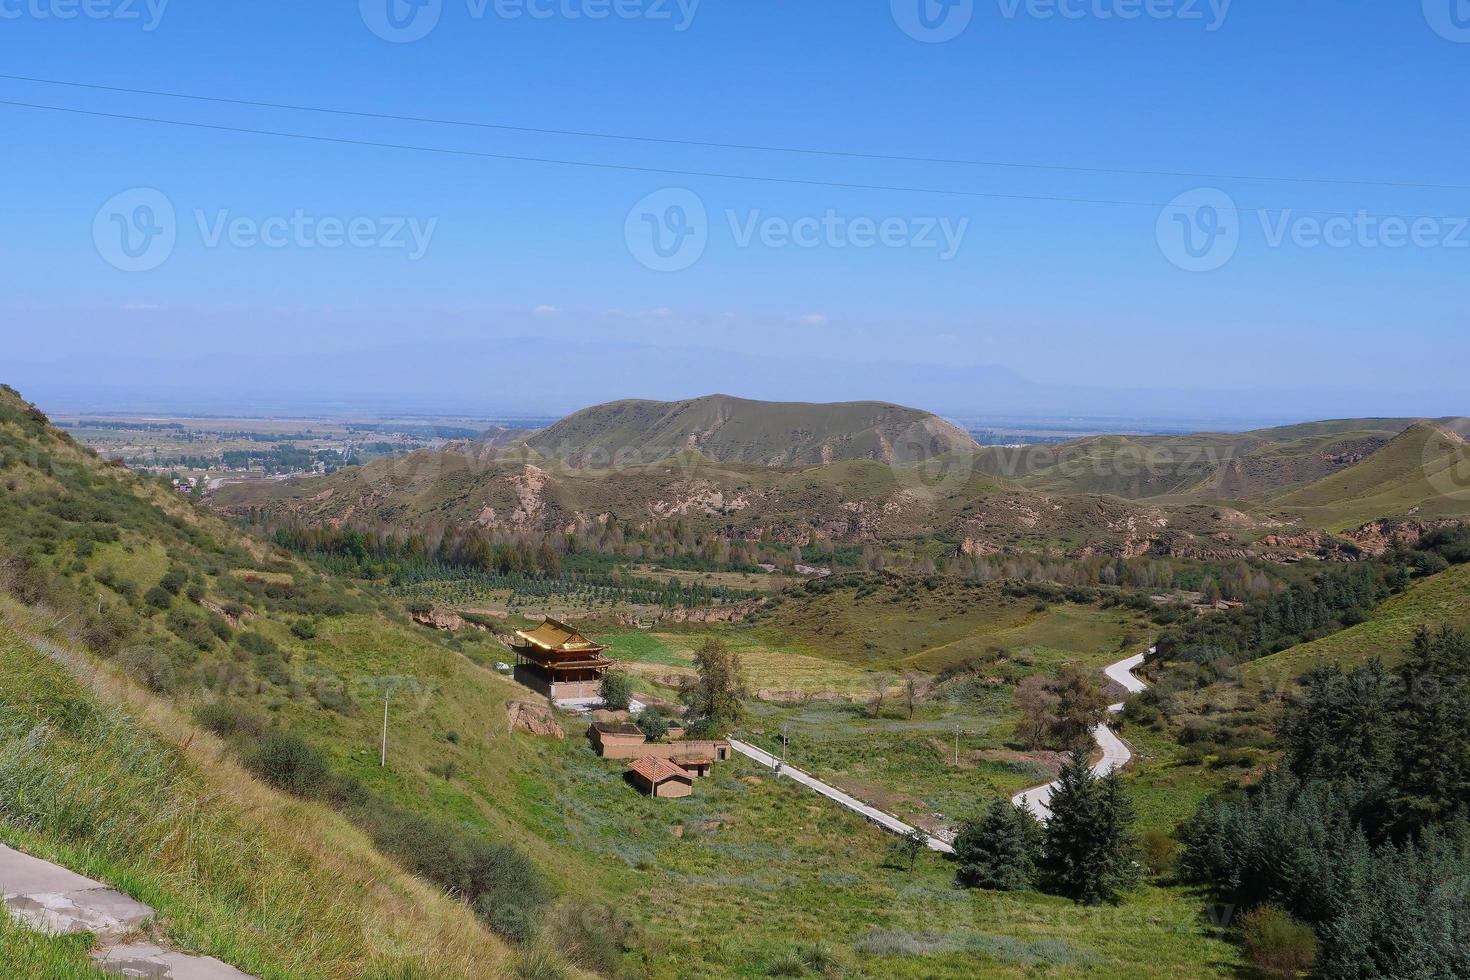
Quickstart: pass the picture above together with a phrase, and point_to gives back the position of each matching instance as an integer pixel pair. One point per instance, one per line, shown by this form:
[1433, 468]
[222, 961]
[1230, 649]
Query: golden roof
[559, 637]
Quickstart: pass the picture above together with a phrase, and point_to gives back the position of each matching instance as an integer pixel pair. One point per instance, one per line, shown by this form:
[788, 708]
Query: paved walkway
[1116, 754]
[50, 899]
[886, 821]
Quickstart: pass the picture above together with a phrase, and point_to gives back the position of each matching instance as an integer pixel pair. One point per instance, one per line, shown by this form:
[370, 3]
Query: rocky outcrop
[537, 719]
[435, 619]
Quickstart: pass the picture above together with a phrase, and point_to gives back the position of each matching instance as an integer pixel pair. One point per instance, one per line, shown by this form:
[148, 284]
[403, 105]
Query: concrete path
[886, 821]
[1116, 755]
[48, 898]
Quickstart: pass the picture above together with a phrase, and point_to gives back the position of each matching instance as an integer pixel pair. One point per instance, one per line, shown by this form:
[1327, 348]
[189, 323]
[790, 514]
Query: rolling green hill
[737, 430]
[1422, 472]
[1199, 466]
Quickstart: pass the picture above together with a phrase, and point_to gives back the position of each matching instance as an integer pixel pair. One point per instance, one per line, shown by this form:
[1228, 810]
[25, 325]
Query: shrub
[290, 762]
[159, 598]
[303, 629]
[653, 723]
[153, 668]
[228, 719]
[1158, 851]
[1277, 944]
[617, 691]
[592, 936]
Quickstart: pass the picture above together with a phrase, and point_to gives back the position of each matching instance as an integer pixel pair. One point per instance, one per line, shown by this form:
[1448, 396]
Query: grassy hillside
[117, 784]
[1420, 472]
[1442, 599]
[1199, 466]
[738, 430]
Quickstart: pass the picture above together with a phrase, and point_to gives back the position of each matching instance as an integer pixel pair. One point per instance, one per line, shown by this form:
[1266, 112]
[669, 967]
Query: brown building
[659, 777]
[624, 740]
[559, 662]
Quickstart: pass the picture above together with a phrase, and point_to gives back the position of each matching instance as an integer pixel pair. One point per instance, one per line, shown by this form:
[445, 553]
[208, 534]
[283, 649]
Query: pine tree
[1088, 851]
[1000, 849]
[1431, 781]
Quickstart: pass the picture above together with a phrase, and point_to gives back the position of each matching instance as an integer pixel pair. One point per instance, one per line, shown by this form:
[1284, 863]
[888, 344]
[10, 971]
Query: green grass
[31, 954]
[1442, 599]
[732, 881]
[234, 870]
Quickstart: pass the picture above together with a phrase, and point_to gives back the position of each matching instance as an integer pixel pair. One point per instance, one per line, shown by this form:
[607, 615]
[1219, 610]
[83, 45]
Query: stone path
[1116, 754]
[886, 821]
[50, 899]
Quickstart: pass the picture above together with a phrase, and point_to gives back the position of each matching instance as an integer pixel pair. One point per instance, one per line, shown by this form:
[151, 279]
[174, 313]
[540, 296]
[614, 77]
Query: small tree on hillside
[1089, 853]
[1000, 849]
[616, 691]
[716, 692]
[1081, 707]
[915, 687]
[879, 683]
[1037, 704]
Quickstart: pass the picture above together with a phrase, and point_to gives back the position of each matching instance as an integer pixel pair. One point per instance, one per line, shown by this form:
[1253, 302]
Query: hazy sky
[251, 243]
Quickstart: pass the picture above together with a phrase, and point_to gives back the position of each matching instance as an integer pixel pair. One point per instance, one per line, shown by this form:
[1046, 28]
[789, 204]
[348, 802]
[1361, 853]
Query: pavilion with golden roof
[559, 662]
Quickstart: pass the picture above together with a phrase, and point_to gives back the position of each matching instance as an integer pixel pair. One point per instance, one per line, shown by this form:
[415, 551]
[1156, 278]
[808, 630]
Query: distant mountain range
[870, 471]
[542, 376]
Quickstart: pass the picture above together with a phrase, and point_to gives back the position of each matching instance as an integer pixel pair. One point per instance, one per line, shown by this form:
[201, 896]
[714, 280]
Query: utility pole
[785, 738]
[383, 756]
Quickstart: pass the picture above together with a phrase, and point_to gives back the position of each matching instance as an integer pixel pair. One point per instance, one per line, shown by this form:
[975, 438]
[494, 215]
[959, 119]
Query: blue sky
[1060, 291]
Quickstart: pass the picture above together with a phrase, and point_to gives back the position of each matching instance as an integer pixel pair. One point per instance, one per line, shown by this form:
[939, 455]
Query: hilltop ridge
[727, 429]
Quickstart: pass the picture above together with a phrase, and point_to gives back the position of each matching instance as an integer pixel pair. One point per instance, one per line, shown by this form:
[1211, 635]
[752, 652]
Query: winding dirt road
[1115, 754]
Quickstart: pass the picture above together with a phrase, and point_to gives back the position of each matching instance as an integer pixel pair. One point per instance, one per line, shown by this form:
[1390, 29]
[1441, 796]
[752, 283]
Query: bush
[1276, 943]
[592, 936]
[228, 719]
[1158, 851]
[617, 691]
[303, 629]
[291, 763]
[653, 723]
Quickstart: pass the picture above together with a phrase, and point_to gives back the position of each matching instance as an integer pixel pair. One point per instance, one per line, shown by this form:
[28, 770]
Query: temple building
[559, 662]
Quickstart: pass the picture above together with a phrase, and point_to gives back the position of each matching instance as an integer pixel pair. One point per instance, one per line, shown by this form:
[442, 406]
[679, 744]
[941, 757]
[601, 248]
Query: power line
[671, 172]
[756, 147]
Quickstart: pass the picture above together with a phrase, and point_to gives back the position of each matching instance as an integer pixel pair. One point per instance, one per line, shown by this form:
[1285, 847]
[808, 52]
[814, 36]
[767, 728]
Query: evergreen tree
[1089, 853]
[1431, 779]
[999, 850]
[1342, 727]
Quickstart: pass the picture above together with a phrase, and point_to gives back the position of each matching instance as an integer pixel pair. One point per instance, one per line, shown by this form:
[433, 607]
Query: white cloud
[813, 319]
[546, 310]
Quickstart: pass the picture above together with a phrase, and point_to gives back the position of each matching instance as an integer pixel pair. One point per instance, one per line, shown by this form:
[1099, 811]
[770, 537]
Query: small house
[660, 778]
